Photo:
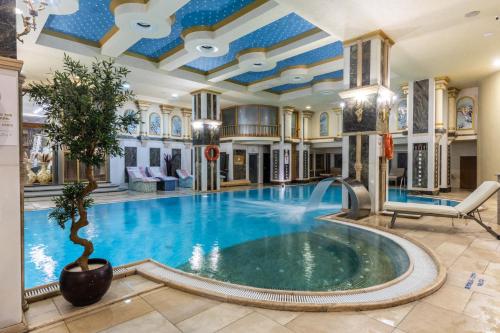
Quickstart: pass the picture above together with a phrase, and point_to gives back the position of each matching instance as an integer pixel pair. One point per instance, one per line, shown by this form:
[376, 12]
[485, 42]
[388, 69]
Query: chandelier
[29, 20]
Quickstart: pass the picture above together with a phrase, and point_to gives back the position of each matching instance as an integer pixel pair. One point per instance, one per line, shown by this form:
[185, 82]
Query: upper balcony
[259, 131]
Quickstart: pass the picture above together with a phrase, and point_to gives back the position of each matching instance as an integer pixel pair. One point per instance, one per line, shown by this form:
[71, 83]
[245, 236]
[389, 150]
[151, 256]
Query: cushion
[478, 197]
[424, 209]
[183, 173]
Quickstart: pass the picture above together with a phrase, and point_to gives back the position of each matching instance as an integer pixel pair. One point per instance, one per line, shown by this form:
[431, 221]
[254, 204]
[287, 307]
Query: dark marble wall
[353, 70]
[276, 164]
[306, 163]
[369, 121]
[8, 29]
[365, 151]
[154, 157]
[206, 136]
[420, 158]
[421, 106]
[365, 74]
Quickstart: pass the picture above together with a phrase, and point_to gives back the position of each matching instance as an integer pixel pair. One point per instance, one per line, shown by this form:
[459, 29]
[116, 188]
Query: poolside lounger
[467, 209]
[138, 181]
[185, 179]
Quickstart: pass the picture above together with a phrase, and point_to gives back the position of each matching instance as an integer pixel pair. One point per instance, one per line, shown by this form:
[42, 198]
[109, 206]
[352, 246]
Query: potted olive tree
[80, 104]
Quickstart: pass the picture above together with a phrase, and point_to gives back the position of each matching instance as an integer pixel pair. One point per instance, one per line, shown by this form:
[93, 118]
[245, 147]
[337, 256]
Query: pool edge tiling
[427, 276]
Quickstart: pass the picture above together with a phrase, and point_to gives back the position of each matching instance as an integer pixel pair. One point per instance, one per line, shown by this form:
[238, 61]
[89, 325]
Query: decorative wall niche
[465, 113]
[176, 126]
[154, 124]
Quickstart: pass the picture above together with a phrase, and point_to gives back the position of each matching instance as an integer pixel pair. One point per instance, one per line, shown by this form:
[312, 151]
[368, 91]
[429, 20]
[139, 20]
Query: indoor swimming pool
[262, 238]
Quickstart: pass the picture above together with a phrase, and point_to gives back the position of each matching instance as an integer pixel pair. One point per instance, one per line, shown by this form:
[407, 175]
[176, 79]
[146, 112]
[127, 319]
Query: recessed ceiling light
[174, 95]
[297, 78]
[488, 34]
[258, 64]
[308, 107]
[143, 25]
[496, 62]
[472, 13]
[207, 48]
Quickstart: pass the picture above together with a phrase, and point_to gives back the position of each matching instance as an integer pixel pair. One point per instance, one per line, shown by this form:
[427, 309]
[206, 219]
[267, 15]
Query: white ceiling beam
[216, 43]
[135, 21]
[322, 88]
[268, 60]
[296, 74]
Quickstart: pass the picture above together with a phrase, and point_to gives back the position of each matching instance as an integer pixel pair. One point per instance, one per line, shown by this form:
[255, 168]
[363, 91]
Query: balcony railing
[250, 130]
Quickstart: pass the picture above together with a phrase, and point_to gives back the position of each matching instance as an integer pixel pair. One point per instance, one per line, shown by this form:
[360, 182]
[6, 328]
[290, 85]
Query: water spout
[318, 193]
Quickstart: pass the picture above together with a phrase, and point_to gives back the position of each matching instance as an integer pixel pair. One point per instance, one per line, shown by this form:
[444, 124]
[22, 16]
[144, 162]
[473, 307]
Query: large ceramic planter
[88, 287]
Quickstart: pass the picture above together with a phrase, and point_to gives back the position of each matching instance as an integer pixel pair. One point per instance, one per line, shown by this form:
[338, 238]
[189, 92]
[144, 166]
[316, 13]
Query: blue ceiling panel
[307, 58]
[285, 87]
[91, 22]
[194, 13]
[285, 28]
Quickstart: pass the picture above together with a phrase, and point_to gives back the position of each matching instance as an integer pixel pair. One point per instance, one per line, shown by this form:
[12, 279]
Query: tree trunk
[82, 261]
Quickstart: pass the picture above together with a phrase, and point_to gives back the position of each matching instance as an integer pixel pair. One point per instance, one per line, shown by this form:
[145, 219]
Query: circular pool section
[329, 258]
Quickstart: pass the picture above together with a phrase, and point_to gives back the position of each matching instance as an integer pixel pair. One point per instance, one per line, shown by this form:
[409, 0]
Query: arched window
[323, 124]
[176, 126]
[154, 124]
[131, 129]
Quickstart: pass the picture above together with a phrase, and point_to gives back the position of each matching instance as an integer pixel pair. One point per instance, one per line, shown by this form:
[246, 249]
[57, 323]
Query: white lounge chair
[467, 209]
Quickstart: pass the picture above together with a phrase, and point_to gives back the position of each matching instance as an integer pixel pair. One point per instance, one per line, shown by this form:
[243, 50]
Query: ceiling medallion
[29, 21]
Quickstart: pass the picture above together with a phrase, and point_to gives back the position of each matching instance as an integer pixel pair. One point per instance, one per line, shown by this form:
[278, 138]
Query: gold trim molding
[116, 3]
[11, 64]
[208, 91]
[370, 35]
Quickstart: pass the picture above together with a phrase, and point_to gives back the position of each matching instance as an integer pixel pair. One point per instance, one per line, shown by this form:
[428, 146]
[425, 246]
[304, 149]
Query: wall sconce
[29, 21]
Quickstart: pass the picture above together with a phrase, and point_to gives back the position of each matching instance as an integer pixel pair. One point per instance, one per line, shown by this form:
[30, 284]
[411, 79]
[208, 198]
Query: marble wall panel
[8, 29]
[421, 106]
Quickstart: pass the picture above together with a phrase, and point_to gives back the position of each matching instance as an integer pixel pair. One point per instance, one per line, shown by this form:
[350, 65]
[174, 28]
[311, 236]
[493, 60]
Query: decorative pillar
[11, 228]
[367, 102]
[452, 110]
[206, 126]
[337, 121]
[441, 86]
[143, 108]
[166, 111]
[442, 166]
[287, 111]
[186, 115]
[306, 125]
[303, 149]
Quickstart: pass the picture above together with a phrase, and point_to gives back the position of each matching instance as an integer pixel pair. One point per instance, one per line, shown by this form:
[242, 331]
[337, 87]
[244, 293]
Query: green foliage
[67, 204]
[80, 104]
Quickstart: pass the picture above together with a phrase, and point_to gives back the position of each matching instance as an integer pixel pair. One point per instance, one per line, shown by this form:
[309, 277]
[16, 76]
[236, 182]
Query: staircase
[47, 191]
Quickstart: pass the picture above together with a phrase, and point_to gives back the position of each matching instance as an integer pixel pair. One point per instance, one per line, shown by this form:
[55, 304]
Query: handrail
[250, 130]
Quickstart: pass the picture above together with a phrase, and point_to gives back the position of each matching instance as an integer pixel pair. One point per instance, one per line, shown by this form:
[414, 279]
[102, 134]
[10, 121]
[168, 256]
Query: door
[266, 168]
[468, 172]
[295, 162]
[253, 168]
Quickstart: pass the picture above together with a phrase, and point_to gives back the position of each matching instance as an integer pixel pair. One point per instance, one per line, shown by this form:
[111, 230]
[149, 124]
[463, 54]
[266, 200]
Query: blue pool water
[213, 235]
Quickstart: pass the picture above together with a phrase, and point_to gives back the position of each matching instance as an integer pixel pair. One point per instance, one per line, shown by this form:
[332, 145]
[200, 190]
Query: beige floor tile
[493, 269]
[109, 316]
[281, 317]
[491, 244]
[138, 283]
[449, 252]
[469, 265]
[115, 292]
[255, 323]
[176, 305]
[450, 297]
[337, 322]
[484, 308]
[214, 318]
[391, 316]
[152, 322]
[477, 253]
[427, 318]
[42, 312]
[56, 328]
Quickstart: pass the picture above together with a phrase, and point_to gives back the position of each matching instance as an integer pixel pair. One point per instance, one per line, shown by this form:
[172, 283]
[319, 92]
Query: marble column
[337, 121]
[288, 110]
[186, 115]
[306, 127]
[452, 110]
[143, 108]
[166, 111]
[441, 86]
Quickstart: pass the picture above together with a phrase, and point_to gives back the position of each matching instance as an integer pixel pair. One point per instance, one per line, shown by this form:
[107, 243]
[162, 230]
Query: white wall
[458, 149]
[10, 208]
[488, 133]
[314, 132]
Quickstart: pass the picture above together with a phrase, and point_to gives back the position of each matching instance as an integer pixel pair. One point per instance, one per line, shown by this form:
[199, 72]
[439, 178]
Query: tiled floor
[471, 255]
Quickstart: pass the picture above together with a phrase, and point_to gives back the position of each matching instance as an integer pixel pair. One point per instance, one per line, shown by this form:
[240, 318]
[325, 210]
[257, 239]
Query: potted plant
[81, 104]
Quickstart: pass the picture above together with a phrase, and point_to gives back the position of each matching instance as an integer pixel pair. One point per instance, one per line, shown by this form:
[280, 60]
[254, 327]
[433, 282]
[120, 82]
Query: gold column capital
[307, 114]
[142, 105]
[453, 92]
[208, 91]
[167, 109]
[337, 110]
[288, 109]
[11, 64]
[404, 88]
[442, 82]
[186, 112]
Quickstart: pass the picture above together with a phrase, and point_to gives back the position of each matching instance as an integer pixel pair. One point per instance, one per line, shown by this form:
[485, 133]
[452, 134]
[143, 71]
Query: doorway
[253, 168]
[266, 168]
[468, 172]
[176, 161]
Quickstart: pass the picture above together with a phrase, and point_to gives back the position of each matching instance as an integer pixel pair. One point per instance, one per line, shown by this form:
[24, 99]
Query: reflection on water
[43, 262]
[196, 260]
